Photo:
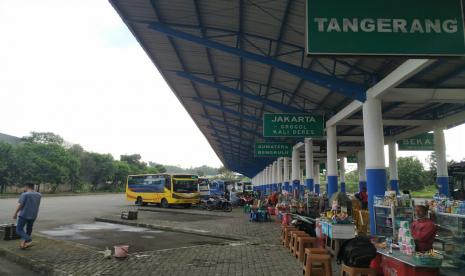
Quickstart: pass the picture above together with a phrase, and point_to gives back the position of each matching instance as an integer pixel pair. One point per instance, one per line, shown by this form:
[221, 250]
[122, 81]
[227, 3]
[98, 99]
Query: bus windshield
[184, 186]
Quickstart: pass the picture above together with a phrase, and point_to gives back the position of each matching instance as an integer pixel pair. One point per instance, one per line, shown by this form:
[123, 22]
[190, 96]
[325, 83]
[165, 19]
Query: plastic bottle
[389, 245]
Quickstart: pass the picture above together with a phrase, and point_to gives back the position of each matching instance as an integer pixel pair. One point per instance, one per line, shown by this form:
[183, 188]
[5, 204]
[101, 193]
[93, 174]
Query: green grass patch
[427, 192]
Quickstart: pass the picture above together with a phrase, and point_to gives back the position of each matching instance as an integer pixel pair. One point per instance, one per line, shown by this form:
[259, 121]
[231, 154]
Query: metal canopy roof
[228, 62]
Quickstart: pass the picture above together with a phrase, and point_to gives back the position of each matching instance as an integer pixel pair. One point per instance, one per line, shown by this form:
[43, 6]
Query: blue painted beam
[346, 88]
[237, 92]
[228, 110]
[229, 124]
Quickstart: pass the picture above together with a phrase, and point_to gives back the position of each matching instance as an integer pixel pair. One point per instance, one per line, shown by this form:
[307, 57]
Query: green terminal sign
[292, 125]
[381, 27]
[273, 150]
[352, 159]
[421, 142]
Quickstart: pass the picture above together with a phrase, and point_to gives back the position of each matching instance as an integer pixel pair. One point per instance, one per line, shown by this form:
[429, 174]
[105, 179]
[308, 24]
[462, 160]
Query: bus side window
[168, 183]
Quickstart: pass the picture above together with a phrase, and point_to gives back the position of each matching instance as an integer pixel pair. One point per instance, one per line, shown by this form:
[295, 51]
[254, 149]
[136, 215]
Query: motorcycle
[305, 224]
[217, 203]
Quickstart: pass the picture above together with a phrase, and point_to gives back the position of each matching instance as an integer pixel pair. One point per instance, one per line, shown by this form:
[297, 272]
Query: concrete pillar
[273, 176]
[295, 169]
[331, 164]
[362, 174]
[309, 164]
[374, 153]
[342, 173]
[316, 179]
[442, 177]
[286, 173]
[279, 173]
[393, 174]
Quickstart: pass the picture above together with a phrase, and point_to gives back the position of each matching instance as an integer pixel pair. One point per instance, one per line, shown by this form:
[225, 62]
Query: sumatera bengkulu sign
[273, 150]
[292, 125]
[385, 27]
[420, 142]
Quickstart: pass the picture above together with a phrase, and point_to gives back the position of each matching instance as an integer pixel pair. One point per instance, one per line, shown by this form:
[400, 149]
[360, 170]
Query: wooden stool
[324, 261]
[283, 231]
[293, 239]
[302, 243]
[287, 234]
[310, 251]
[355, 271]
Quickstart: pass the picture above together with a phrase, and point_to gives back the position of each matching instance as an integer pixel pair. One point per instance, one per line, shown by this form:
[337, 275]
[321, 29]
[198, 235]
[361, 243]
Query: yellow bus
[163, 189]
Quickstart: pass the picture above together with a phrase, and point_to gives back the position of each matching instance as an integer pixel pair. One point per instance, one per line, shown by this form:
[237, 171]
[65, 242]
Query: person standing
[364, 198]
[26, 212]
[423, 229]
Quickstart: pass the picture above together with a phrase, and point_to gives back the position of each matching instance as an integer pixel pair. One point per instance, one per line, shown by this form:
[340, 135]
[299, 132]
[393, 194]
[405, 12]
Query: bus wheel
[164, 203]
[139, 201]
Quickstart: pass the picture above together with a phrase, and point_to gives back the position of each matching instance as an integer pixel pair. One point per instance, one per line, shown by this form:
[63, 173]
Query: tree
[6, 151]
[44, 138]
[411, 174]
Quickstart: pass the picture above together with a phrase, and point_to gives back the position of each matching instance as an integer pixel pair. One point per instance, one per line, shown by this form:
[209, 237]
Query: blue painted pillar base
[361, 185]
[286, 186]
[376, 186]
[394, 183]
[309, 184]
[295, 187]
[302, 191]
[317, 189]
[343, 187]
[443, 185]
[332, 185]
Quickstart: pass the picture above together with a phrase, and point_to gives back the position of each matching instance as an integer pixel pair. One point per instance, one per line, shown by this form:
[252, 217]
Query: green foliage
[201, 171]
[43, 158]
[412, 175]
[44, 138]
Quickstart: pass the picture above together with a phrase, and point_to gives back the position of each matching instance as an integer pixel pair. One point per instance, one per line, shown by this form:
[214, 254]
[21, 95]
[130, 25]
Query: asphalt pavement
[58, 211]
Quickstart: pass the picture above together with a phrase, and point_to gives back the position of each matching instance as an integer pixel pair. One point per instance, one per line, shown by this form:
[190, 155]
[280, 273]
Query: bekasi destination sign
[380, 27]
[273, 150]
[292, 125]
[420, 142]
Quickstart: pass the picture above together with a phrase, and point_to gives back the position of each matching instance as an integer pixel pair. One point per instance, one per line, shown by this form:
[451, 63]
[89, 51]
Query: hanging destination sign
[273, 150]
[422, 142]
[380, 27]
[292, 125]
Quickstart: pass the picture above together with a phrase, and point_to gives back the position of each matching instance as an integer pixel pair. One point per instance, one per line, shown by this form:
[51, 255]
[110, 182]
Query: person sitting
[423, 229]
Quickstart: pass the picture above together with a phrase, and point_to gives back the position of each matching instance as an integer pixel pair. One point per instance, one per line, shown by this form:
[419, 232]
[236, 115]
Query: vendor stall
[400, 264]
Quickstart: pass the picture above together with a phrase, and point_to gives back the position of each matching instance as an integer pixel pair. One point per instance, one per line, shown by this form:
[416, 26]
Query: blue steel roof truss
[235, 131]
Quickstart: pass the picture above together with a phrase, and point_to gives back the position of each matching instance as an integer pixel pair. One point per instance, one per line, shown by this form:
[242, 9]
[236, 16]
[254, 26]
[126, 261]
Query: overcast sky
[72, 67]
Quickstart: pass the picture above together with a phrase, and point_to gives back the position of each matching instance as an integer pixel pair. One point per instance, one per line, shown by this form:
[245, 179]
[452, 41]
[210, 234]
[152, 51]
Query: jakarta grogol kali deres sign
[385, 27]
[292, 125]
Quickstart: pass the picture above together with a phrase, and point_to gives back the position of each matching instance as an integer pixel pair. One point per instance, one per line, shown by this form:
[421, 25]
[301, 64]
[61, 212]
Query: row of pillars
[371, 164]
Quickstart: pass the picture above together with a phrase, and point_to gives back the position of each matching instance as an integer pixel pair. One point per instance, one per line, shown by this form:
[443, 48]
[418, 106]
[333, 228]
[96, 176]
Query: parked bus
[217, 187]
[163, 189]
[248, 188]
[239, 186]
[204, 188]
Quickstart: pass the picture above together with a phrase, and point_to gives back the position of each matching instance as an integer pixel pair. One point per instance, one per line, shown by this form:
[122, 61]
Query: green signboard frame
[380, 27]
[273, 150]
[292, 125]
[422, 142]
